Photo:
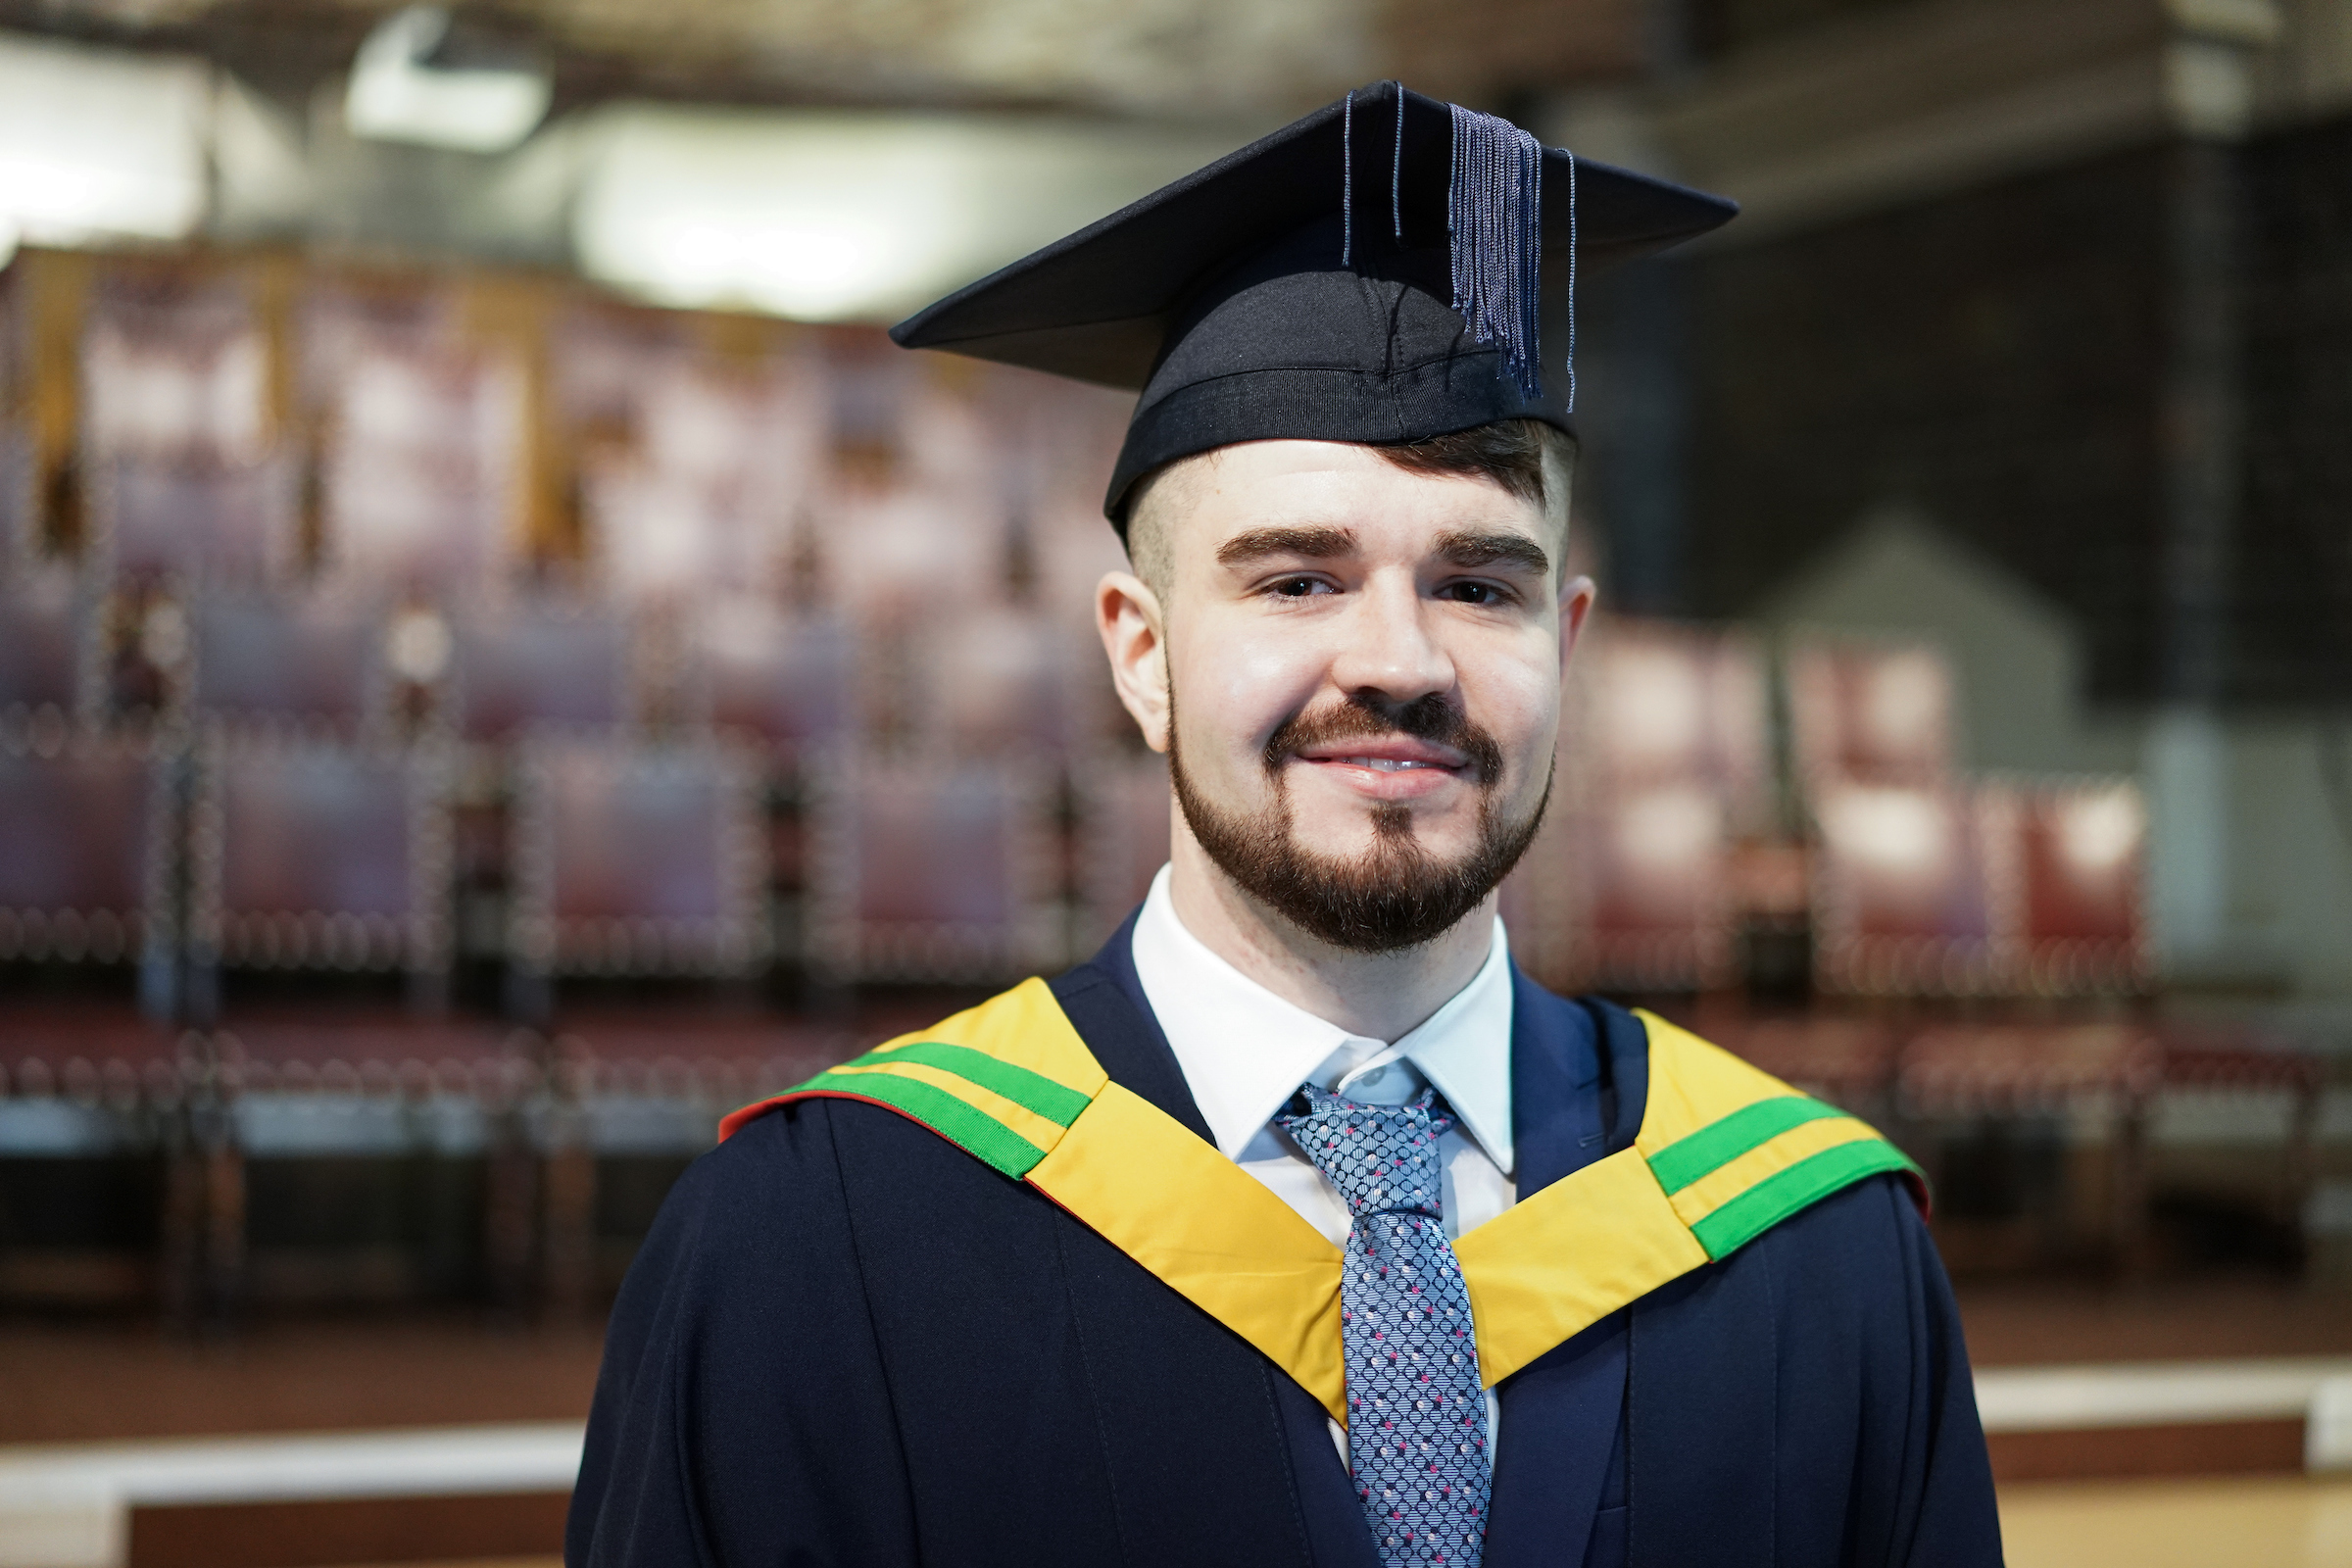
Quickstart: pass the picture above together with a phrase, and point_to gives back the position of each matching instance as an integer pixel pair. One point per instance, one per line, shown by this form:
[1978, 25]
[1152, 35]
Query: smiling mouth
[1374, 741]
[1385, 764]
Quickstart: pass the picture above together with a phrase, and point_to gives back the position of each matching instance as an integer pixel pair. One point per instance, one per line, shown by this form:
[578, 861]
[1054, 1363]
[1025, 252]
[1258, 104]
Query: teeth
[1387, 765]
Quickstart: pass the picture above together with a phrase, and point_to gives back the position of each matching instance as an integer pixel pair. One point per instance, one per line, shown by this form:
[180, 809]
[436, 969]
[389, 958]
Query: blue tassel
[1570, 365]
[1494, 213]
[1396, 172]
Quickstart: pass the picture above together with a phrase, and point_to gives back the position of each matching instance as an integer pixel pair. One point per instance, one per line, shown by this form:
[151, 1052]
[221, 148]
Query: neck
[1381, 996]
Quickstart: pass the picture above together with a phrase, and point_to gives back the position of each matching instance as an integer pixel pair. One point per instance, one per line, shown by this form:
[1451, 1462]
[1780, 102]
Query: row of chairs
[562, 1125]
[1676, 834]
[251, 528]
[1998, 888]
[1915, 880]
[386, 436]
[1979, 945]
[205, 1132]
[1914, 1074]
[343, 664]
[618, 858]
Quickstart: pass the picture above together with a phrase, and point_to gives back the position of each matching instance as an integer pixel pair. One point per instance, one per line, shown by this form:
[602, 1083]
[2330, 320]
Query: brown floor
[2031, 1324]
[88, 1383]
[364, 1530]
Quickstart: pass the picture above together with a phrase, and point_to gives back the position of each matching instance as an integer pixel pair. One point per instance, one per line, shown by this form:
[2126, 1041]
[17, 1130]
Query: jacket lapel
[1105, 1000]
[1561, 1416]
[1579, 1080]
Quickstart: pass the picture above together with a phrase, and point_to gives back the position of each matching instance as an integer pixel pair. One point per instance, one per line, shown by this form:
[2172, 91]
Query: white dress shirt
[1245, 1052]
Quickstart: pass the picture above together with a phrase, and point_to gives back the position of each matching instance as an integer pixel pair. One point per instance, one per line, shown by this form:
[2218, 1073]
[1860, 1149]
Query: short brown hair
[1509, 453]
[1515, 454]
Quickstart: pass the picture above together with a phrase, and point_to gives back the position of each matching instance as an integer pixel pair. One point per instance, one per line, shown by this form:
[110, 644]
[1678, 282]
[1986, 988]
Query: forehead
[1205, 501]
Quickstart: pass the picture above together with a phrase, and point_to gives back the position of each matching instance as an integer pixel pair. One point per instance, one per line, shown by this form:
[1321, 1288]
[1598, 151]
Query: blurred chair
[1850, 1063]
[1123, 821]
[1630, 892]
[94, 1196]
[370, 1159]
[898, 556]
[313, 855]
[660, 539]
[87, 841]
[999, 679]
[47, 646]
[421, 464]
[195, 518]
[2067, 1070]
[1631, 883]
[2214, 1061]
[538, 662]
[700, 472]
[175, 433]
[310, 658]
[1868, 712]
[789, 680]
[2069, 859]
[1901, 902]
[1979, 1069]
[87, 864]
[1654, 702]
[144, 647]
[173, 365]
[636, 860]
[931, 871]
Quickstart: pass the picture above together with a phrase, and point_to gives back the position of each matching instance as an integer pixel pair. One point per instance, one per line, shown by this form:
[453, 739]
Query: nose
[1386, 648]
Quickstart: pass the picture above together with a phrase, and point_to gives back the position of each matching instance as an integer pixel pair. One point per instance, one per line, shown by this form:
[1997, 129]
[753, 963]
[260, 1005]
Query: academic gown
[846, 1341]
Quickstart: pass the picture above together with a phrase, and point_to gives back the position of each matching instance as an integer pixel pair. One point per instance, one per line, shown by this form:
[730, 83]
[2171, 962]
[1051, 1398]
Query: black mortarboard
[1366, 273]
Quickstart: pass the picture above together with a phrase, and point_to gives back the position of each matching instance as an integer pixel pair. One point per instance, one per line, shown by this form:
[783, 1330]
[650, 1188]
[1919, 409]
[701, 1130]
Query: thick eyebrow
[1315, 544]
[1474, 550]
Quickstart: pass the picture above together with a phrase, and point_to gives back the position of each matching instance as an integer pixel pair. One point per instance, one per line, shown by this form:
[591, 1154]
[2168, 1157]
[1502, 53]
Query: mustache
[1363, 716]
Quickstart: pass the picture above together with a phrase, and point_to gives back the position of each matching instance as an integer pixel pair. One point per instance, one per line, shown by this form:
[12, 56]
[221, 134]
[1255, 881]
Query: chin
[1352, 836]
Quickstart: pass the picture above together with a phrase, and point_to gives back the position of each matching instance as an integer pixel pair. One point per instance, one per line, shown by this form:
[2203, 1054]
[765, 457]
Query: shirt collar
[1245, 1051]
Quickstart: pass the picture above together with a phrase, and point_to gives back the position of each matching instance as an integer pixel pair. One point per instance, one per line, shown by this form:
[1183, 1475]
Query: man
[1297, 1226]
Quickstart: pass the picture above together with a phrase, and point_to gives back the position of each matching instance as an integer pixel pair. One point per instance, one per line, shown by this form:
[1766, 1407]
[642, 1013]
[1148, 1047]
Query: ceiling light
[847, 216]
[97, 147]
[396, 95]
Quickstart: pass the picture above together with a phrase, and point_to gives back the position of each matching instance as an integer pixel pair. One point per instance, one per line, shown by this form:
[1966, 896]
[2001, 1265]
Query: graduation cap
[1368, 274]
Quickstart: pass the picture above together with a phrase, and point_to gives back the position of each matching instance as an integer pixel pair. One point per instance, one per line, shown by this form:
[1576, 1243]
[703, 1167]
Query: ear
[1576, 603]
[1128, 615]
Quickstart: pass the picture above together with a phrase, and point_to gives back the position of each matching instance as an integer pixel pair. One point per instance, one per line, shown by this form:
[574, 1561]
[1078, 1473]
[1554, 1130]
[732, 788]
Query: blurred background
[501, 662]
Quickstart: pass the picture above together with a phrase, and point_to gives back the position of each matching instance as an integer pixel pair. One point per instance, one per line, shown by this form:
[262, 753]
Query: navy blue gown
[849, 1342]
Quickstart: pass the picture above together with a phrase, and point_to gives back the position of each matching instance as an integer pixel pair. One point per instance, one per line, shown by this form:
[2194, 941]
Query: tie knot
[1382, 1158]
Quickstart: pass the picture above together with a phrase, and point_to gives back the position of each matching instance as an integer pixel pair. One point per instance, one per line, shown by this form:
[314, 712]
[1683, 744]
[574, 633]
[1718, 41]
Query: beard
[1395, 894]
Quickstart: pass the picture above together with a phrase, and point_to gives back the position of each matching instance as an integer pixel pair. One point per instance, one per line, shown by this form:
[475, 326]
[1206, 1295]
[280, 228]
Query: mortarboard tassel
[1347, 175]
[1494, 213]
[1570, 364]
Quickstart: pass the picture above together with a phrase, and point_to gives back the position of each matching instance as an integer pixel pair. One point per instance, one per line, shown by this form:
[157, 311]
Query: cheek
[1517, 700]
[1239, 683]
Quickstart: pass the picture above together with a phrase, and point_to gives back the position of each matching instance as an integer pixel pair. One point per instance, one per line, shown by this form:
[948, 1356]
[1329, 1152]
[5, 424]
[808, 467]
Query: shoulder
[1844, 1281]
[791, 1154]
[796, 1187]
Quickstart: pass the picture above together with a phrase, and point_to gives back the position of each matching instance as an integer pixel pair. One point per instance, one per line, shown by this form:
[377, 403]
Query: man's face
[1361, 681]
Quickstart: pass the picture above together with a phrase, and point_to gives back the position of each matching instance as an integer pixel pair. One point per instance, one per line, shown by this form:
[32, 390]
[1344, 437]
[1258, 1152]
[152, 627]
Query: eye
[1473, 593]
[1298, 587]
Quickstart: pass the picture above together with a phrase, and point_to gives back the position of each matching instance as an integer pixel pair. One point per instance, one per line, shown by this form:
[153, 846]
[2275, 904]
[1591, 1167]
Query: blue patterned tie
[1417, 1418]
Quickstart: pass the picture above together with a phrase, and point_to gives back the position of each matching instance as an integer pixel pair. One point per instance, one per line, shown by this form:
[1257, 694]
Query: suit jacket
[848, 1342]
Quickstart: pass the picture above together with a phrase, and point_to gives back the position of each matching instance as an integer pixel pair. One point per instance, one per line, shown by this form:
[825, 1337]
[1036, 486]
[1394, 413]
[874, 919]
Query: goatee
[1395, 894]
